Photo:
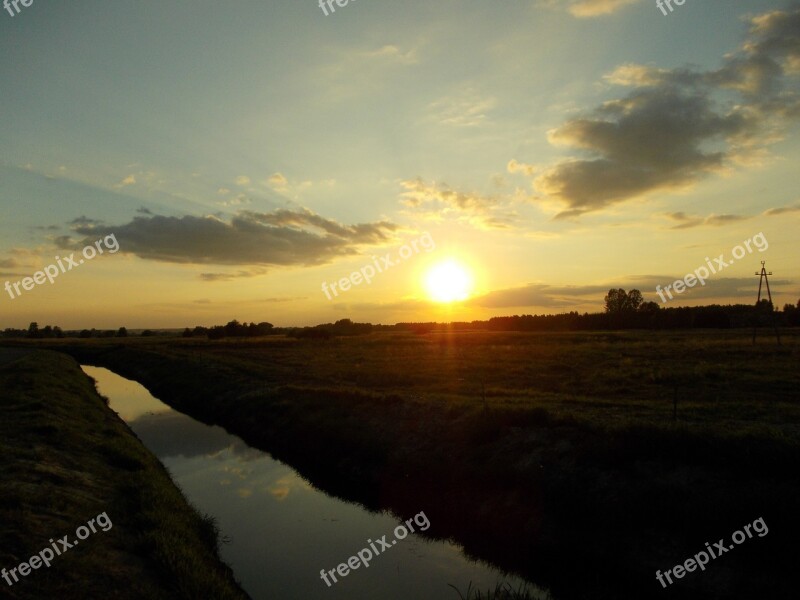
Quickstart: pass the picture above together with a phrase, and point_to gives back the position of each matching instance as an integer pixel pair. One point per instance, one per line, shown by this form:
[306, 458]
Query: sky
[469, 158]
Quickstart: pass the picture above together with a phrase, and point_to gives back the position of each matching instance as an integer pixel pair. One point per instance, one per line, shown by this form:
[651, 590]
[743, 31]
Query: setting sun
[448, 281]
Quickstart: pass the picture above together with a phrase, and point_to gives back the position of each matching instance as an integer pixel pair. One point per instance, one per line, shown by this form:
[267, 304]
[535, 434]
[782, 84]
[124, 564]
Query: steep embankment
[66, 458]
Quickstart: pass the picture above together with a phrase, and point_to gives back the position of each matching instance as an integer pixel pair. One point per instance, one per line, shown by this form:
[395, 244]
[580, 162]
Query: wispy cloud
[356, 71]
[685, 221]
[483, 212]
[780, 210]
[466, 108]
[589, 8]
[129, 180]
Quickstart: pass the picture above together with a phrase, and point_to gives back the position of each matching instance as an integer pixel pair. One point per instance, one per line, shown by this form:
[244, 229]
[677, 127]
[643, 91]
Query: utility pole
[763, 279]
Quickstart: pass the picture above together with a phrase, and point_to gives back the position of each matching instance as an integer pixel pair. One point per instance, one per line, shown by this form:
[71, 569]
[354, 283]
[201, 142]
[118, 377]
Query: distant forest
[623, 310]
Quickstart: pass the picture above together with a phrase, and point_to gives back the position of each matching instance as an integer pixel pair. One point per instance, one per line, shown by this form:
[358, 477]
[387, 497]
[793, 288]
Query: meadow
[583, 461]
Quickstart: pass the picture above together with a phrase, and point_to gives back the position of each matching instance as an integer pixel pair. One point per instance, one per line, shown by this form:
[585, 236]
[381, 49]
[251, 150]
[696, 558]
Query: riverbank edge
[67, 457]
[644, 496]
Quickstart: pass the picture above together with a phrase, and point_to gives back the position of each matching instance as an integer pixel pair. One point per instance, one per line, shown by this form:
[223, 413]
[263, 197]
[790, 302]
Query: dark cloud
[678, 125]
[282, 237]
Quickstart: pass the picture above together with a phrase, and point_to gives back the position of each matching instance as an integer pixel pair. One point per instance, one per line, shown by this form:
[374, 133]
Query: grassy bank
[559, 456]
[65, 457]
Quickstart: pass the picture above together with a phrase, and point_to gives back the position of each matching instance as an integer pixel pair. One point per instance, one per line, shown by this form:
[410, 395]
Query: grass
[500, 592]
[556, 456]
[64, 458]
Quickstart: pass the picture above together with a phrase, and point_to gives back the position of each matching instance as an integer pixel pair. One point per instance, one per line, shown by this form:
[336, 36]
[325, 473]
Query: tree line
[622, 310]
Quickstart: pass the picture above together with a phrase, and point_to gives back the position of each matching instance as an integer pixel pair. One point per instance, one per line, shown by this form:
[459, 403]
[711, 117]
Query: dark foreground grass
[561, 457]
[65, 457]
[500, 592]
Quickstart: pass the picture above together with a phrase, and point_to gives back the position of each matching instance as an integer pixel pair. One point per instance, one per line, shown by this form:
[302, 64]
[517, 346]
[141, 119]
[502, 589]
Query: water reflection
[282, 531]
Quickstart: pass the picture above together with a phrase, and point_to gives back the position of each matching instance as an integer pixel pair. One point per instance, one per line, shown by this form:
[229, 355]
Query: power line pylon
[763, 279]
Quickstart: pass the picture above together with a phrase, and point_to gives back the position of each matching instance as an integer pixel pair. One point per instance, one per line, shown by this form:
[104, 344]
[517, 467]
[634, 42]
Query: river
[278, 531]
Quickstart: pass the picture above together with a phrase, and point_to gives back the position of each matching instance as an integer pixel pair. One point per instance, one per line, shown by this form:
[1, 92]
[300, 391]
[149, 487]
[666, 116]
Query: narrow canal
[279, 532]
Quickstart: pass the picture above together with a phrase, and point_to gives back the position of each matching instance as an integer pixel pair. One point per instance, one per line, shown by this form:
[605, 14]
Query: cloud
[277, 180]
[279, 183]
[85, 222]
[129, 180]
[21, 258]
[651, 140]
[280, 238]
[782, 210]
[687, 221]
[541, 295]
[393, 54]
[281, 488]
[595, 8]
[241, 274]
[518, 167]
[9, 263]
[589, 8]
[463, 109]
[356, 71]
[242, 180]
[238, 200]
[677, 126]
[479, 211]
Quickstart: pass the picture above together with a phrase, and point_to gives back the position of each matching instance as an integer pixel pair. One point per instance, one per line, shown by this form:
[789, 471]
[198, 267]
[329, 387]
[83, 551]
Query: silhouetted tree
[634, 301]
[216, 333]
[792, 314]
[122, 332]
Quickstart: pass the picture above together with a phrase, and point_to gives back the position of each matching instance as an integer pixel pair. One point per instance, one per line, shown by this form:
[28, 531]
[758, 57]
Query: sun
[448, 281]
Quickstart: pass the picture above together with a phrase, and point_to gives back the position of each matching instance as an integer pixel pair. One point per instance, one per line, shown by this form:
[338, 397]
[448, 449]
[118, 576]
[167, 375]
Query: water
[281, 531]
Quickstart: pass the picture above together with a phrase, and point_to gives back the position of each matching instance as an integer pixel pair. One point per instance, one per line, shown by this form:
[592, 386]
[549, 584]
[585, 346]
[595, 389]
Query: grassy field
[582, 461]
[65, 457]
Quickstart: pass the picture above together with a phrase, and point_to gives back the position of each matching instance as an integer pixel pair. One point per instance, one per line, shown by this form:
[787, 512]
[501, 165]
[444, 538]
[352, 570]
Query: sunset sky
[243, 153]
